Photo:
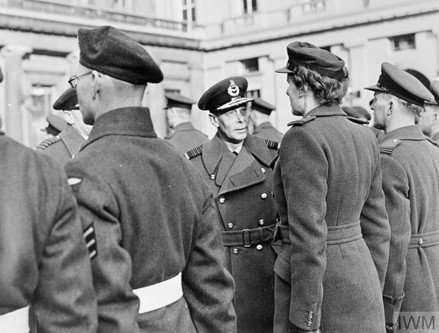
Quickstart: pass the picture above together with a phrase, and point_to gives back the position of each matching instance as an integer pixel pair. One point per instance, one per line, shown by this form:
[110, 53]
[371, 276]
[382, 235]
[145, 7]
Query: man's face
[380, 105]
[85, 95]
[296, 100]
[232, 125]
[428, 119]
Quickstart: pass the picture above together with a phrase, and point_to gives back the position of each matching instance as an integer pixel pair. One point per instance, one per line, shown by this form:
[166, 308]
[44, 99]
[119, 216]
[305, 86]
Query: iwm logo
[418, 322]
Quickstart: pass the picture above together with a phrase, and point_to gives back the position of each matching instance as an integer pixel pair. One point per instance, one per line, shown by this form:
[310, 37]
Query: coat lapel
[217, 159]
[72, 140]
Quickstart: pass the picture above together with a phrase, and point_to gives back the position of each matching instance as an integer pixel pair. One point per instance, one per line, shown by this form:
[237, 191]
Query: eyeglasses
[73, 81]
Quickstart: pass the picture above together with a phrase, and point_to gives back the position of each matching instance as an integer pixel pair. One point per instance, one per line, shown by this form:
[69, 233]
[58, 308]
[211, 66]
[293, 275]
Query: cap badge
[233, 89]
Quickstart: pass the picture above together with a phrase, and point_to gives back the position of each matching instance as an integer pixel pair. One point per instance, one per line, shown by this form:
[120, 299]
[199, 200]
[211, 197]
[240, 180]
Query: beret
[67, 101]
[111, 52]
[1, 75]
[362, 112]
[434, 89]
[228, 94]
[56, 122]
[177, 100]
[310, 56]
[401, 84]
[350, 111]
[262, 106]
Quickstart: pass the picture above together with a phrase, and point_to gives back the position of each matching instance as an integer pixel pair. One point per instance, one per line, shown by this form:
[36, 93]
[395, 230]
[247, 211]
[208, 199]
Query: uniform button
[230, 225]
[420, 241]
[235, 251]
[261, 222]
[259, 247]
[222, 200]
[263, 196]
[212, 177]
[263, 170]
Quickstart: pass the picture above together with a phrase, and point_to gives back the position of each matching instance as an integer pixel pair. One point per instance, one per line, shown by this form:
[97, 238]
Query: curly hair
[326, 89]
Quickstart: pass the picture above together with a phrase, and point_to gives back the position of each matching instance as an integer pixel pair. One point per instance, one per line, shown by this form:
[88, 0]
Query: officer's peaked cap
[310, 56]
[401, 84]
[177, 100]
[228, 94]
[67, 101]
[434, 89]
[56, 122]
[111, 52]
[262, 106]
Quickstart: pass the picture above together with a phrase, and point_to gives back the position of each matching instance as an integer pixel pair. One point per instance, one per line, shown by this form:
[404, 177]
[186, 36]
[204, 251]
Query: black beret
[228, 94]
[67, 101]
[56, 122]
[177, 100]
[111, 52]
[310, 56]
[434, 89]
[401, 84]
[1, 75]
[262, 106]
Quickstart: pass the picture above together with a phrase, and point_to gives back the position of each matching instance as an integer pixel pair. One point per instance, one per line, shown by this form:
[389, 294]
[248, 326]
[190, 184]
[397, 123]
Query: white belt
[158, 295]
[16, 321]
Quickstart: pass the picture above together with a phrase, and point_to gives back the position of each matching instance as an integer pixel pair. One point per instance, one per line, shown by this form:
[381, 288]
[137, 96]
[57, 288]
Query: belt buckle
[244, 233]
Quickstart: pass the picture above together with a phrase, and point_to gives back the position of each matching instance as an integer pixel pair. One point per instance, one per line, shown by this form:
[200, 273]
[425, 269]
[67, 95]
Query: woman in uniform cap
[333, 223]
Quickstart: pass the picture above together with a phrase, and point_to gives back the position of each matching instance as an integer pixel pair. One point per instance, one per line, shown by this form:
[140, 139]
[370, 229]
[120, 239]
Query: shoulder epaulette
[48, 142]
[358, 120]
[272, 144]
[387, 147]
[194, 152]
[302, 121]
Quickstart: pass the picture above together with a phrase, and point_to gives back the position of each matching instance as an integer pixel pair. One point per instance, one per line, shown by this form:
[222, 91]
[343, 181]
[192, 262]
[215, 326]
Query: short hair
[326, 89]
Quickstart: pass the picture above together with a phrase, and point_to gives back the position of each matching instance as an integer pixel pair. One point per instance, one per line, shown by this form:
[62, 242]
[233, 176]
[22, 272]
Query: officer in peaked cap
[183, 136]
[328, 193]
[67, 143]
[260, 117]
[45, 276]
[412, 198]
[429, 119]
[157, 255]
[236, 167]
[55, 125]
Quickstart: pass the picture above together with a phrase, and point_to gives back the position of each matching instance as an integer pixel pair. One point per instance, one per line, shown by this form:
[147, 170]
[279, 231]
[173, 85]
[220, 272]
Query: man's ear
[69, 118]
[96, 83]
[213, 120]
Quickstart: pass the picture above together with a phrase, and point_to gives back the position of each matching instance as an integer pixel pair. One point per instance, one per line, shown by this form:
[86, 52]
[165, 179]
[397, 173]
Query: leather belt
[249, 237]
[424, 240]
[336, 234]
[15, 321]
[159, 295]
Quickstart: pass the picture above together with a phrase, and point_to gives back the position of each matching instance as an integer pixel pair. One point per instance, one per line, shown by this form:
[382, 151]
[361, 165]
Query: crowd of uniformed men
[333, 227]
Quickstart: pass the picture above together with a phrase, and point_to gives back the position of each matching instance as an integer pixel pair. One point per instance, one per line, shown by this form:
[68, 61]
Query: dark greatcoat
[186, 137]
[410, 166]
[64, 147]
[242, 187]
[43, 258]
[153, 218]
[331, 268]
[267, 131]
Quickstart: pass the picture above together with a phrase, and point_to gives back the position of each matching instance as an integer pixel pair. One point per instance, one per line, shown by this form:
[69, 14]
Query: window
[250, 65]
[249, 6]
[404, 42]
[253, 93]
[189, 11]
[313, 6]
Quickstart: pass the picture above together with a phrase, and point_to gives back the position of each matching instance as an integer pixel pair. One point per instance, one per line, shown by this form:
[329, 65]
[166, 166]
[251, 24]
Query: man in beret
[183, 136]
[429, 118]
[410, 167]
[236, 166]
[260, 118]
[45, 275]
[157, 255]
[67, 143]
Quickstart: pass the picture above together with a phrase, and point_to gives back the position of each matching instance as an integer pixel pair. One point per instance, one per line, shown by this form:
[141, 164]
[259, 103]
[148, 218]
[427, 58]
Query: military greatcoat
[63, 147]
[267, 131]
[44, 261]
[153, 219]
[243, 192]
[334, 227]
[410, 166]
[186, 137]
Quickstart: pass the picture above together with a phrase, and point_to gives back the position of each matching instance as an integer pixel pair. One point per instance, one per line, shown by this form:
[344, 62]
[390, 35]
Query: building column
[14, 90]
